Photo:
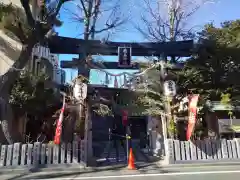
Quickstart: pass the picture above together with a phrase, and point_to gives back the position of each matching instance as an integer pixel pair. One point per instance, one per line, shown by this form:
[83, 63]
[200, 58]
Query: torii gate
[65, 45]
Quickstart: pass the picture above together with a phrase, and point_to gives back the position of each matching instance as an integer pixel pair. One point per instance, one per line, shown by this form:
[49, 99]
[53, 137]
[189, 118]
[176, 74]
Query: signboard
[169, 88]
[124, 56]
[229, 125]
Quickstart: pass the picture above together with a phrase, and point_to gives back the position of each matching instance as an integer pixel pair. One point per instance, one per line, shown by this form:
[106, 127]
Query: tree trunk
[6, 119]
[8, 80]
[95, 17]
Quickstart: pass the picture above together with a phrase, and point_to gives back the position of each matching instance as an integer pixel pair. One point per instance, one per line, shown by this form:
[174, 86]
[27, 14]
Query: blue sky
[216, 13]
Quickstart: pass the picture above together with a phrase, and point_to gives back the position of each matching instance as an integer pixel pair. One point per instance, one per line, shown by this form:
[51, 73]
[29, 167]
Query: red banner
[124, 117]
[58, 131]
[192, 116]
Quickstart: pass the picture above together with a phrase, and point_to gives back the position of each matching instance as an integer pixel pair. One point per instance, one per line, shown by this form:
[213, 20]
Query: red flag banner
[192, 116]
[58, 131]
[124, 117]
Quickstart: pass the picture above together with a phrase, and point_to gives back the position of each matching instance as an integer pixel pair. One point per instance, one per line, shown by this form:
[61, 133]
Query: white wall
[9, 52]
[15, 2]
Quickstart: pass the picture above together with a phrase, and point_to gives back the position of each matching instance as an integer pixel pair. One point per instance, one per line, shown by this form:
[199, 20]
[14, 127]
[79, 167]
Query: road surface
[150, 173]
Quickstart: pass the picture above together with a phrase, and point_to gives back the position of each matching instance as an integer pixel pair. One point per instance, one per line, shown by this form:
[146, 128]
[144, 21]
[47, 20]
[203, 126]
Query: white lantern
[80, 90]
[169, 88]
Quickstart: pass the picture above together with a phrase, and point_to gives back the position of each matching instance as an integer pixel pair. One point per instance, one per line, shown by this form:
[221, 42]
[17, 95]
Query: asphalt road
[150, 173]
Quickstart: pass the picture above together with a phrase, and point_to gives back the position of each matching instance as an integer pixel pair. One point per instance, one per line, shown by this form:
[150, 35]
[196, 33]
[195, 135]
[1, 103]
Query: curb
[199, 164]
[120, 167]
[43, 168]
[57, 168]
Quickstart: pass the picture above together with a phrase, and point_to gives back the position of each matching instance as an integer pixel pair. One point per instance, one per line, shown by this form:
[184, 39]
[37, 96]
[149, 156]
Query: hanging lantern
[115, 82]
[80, 90]
[169, 88]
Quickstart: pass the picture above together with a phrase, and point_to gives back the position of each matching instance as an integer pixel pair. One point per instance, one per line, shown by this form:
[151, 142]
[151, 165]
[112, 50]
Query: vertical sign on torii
[124, 56]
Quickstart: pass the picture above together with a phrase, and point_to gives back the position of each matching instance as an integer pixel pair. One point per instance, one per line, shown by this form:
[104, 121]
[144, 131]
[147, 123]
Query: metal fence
[204, 150]
[35, 154]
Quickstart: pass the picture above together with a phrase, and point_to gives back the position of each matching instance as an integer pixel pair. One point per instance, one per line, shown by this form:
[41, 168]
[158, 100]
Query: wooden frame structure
[66, 45]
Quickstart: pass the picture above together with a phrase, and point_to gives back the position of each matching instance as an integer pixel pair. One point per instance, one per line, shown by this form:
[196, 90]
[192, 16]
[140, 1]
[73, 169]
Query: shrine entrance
[109, 139]
[102, 133]
[110, 144]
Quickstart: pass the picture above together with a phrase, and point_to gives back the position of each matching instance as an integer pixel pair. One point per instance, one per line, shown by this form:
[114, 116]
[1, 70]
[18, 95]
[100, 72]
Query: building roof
[217, 106]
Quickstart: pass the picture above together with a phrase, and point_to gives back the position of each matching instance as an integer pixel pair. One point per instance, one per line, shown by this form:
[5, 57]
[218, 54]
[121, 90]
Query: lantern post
[169, 90]
[80, 95]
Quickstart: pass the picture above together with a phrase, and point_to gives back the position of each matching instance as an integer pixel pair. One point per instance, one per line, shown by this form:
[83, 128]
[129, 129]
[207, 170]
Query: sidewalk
[200, 163]
[120, 167]
[116, 170]
[141, 167]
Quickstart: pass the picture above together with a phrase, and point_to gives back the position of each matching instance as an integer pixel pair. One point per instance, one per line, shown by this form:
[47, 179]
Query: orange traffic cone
[131, 165]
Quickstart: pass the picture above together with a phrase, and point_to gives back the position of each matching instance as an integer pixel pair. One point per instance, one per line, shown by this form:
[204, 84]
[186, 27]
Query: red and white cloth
[192, 117]
[58, 131]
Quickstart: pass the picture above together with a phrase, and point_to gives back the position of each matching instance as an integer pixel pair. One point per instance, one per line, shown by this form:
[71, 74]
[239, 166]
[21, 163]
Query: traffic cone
[131, 165]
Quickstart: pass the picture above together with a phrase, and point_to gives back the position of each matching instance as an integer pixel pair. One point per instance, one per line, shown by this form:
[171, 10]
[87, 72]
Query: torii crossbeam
[66, 45]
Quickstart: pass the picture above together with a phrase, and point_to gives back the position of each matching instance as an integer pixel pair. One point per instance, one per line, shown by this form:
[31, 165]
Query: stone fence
[203, 151]
[41, 154]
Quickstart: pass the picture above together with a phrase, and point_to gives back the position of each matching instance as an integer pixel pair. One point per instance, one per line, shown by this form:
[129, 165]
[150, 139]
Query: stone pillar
[155, 136]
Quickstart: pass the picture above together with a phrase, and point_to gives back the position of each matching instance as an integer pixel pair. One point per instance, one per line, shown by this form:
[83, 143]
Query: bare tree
[90, 13]
[98, 17]
[30, 32]
[166, 20]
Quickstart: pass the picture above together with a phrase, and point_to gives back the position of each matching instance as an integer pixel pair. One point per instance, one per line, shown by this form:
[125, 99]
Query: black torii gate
[66, 45]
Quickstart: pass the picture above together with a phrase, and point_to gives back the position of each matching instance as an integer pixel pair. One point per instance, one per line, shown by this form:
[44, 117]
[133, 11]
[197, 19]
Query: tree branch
[28, 12]
[51, 19]
[76, 16]
[110, 26]
[95, 16]
[17, 30]
[84, 8]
